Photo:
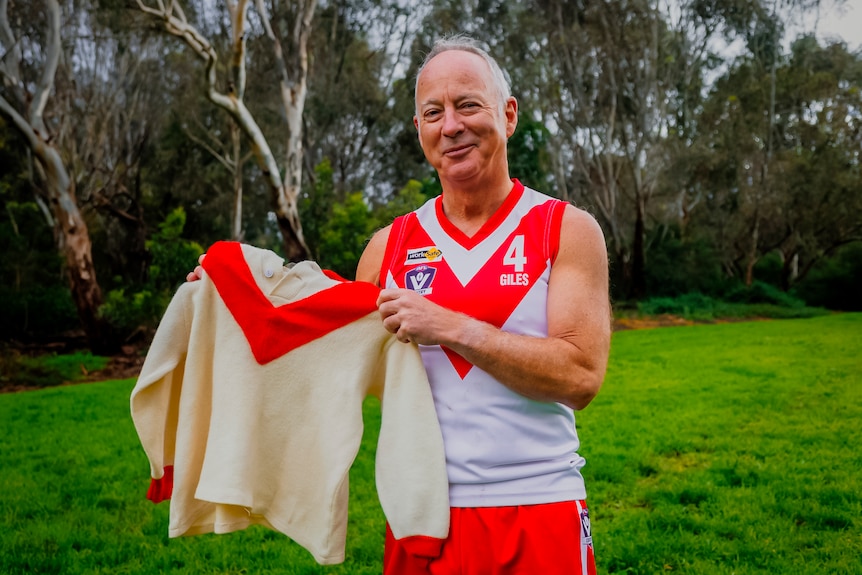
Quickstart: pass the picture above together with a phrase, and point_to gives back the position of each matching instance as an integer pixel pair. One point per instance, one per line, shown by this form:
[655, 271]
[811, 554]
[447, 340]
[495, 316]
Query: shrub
[173, 257]
[693, 304]
[139, 309]
[760, 292]
[764, 301]
[36, 310]
[131, 308]
[836, 282]
[678, 265]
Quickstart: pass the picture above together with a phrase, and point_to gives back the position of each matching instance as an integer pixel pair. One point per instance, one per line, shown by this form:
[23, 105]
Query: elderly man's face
[462, 126]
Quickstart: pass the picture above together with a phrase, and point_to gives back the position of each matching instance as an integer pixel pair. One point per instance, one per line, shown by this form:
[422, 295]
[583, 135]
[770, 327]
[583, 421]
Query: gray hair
[464, 43]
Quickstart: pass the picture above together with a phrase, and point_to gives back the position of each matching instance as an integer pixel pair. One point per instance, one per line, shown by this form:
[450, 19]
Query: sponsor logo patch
[424, 255]
[419, 279]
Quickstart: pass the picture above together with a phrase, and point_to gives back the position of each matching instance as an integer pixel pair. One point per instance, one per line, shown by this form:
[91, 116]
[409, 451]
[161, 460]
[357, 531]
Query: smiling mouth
[457, 151]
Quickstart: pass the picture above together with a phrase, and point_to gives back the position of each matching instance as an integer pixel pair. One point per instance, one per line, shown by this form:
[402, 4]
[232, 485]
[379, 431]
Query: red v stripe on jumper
[450, 292]
[273, 331]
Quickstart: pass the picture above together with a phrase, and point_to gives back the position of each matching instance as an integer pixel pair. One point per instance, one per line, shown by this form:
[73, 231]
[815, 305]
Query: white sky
[837, 20]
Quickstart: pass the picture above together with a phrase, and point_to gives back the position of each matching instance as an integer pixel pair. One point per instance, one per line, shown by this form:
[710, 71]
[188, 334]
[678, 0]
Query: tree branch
[52, 61]
[238, 13]
[10, 61]
[21, 123]
[213, 152]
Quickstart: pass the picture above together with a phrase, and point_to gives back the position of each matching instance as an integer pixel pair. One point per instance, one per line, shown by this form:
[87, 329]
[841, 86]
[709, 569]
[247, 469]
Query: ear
[511, 113]
[418, 132]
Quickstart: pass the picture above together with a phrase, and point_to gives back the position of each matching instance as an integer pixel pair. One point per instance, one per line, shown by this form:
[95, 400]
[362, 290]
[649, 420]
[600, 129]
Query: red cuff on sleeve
[161, 489]
[422, 545]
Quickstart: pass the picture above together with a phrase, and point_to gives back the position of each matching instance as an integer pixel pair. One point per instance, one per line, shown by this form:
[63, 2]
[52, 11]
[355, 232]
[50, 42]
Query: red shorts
[548, 539]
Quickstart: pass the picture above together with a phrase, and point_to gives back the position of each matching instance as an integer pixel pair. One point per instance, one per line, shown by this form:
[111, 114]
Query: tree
[798, 192]
[288, 28]
[358, 48]
[27, 90]
[819, 117]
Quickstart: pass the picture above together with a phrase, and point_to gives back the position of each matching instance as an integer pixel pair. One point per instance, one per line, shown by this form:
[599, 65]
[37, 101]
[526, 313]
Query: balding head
[466, 44]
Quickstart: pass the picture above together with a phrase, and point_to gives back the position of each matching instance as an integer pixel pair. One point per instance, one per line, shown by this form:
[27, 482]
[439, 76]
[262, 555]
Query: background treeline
[718, 148]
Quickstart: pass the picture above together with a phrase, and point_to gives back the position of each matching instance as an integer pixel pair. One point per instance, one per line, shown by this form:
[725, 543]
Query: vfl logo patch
[424, 255]
[585, 522]
[419, 279]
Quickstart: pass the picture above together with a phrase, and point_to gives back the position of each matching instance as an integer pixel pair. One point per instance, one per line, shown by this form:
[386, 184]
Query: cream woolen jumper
[250, 402]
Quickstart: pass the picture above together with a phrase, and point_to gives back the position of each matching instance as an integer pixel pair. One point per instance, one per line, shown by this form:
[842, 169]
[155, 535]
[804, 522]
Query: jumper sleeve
[411, 468]
[155, 399]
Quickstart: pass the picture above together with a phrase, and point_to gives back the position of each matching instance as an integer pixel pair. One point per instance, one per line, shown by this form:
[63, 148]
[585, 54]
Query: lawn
[714, 449]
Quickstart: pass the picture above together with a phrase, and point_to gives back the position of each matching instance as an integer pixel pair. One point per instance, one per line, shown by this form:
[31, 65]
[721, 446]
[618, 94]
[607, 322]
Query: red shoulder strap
[393, 245]
[555, 225]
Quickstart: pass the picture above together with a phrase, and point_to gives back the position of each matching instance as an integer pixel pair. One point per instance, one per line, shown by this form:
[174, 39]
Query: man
[506, 292]
[508, 300]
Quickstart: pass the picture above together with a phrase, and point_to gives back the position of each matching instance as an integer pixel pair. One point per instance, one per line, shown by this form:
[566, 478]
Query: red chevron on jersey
[272, 331]
[486, 276]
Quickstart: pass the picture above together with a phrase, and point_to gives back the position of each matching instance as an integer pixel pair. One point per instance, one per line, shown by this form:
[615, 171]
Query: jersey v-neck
[469, 242]
[273, 331]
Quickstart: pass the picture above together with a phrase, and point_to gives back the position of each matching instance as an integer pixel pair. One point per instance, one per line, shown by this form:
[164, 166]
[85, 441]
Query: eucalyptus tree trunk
[292, 67]
[26, 112]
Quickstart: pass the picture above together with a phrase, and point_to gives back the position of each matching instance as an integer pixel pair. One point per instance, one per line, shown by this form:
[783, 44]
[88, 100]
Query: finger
[386, 295]
[391, 324]
[402, 336]
[195, 275]
[201, 258]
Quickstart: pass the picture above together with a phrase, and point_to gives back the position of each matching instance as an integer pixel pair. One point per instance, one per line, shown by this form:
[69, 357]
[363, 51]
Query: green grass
[72, 498]
[46, 370]
[712, 449]
[729, 448]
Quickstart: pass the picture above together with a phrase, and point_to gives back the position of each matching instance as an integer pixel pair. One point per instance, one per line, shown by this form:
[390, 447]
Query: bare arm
[568, 366]
[368, 268]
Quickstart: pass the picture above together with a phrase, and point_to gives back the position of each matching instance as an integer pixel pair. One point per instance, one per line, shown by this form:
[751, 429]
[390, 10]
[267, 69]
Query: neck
[468, 205]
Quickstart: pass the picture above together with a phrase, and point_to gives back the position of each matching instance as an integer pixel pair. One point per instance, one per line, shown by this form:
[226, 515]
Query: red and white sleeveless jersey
[501, 447]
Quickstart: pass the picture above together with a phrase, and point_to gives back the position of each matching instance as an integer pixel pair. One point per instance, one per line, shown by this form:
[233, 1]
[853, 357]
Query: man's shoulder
[371, 260]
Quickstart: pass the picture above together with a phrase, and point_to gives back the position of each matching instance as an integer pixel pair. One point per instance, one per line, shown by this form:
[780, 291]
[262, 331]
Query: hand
[413, 318]
[198, 272]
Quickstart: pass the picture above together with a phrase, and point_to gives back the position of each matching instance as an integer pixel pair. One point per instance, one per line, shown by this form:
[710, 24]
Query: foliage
[344, 235]
[680, 264]
[34, 293]
[760, 292]
[141, 307]
[711, 449]
[835, 283]
[705, 167]
[529, 160]
[408, 198]
[171, 254]
[338, 231]
[37, 311]
[761, 301]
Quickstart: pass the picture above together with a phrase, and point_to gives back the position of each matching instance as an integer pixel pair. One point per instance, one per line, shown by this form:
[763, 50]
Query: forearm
[541, 368]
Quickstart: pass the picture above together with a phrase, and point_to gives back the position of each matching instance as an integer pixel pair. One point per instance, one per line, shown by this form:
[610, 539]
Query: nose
[452, 124]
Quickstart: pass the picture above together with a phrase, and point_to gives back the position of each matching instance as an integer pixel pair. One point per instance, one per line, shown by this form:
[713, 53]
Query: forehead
[453, 73]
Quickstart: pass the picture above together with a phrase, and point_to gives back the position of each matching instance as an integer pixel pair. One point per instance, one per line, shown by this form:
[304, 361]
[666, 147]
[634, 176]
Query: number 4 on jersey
[515, 254]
